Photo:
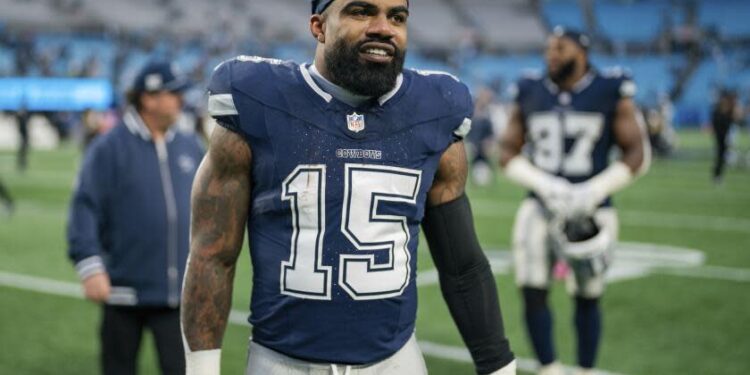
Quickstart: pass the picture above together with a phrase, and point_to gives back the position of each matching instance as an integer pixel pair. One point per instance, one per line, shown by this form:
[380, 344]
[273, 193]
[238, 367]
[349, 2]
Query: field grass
[661, 323]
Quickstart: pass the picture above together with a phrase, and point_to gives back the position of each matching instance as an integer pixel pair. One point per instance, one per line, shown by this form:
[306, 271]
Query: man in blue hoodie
[128, 226]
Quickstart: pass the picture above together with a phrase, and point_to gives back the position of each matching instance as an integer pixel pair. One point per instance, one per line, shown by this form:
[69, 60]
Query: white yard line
[460, 354]
[710, 272]
[682, 221]
[41, 285]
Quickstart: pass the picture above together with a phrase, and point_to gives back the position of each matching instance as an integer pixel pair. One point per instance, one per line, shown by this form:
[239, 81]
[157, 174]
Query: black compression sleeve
[467, 283]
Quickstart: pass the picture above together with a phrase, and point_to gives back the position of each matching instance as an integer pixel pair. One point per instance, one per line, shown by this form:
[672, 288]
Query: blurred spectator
[734, 154]
[724, 114]
[96, 123]
[482, 138]
[6, 199]
[24, 46]
[22, 120]
[129, 223]
[659, 124]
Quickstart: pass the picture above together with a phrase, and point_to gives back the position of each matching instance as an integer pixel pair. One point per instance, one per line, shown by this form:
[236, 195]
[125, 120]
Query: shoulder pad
[258, 59]
[454, 94]
[443, 96]
[249, 74]
[229, 71]
[621, 80]
[436, 73]
[528, 79]
[532, 74]
[220, 100]
[616, 72]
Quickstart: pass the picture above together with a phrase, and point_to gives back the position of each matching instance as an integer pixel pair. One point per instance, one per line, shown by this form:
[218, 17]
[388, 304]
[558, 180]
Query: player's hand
[509, 369]
[556, 195]
[97, 287]
[583, 200]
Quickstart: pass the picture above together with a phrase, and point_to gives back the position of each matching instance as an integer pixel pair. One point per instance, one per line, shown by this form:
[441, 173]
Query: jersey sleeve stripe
[628, 89]
[464, 129]
[221, 105]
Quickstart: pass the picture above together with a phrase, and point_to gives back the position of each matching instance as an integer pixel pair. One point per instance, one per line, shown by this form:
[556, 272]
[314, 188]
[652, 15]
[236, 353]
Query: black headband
[319, 6]
[578, 37]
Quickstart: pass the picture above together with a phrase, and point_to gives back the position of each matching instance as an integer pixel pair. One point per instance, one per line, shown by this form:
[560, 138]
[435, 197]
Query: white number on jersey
[304, 274]
[365, 187]
[548, 131]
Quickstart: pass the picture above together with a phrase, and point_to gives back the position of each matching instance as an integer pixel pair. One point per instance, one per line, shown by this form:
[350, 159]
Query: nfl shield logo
[355, 122]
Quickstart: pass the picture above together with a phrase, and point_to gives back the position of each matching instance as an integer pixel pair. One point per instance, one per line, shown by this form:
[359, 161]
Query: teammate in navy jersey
[557, 144]
[333, 166]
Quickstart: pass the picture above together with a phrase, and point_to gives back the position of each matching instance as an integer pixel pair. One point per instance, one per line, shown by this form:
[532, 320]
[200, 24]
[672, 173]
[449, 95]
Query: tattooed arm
[220, 203]
[450, 180]
[466, 279]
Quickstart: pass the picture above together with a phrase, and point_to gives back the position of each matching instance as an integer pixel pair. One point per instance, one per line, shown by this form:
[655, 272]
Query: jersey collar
[579, 86]
[306, 75]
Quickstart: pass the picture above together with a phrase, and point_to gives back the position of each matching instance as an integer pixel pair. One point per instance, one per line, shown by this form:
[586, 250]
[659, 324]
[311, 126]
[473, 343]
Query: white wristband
[509, 369]
[521, 171]
[203, 362]
[611, 180]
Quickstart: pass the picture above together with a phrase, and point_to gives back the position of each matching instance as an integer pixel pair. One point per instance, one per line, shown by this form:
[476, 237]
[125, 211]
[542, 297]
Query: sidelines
[238, 317]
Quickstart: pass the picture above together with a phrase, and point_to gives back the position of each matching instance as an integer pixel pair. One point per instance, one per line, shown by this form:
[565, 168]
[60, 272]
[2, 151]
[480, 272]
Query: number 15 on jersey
[365, 188]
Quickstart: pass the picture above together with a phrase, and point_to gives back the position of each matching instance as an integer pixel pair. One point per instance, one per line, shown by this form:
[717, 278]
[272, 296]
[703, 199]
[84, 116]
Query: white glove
[552, 190]
[588, 195]
[556, 193]
[509, 369]
[584, 200]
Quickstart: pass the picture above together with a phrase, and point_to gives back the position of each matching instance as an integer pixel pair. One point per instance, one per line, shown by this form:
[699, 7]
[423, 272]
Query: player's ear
[317, 27]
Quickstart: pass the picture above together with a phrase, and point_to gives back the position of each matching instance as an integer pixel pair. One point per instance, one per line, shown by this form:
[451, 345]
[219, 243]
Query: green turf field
[686, 313]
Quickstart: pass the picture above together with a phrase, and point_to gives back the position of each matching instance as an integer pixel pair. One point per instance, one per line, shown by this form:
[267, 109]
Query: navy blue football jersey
[569, 133]
[338, 195]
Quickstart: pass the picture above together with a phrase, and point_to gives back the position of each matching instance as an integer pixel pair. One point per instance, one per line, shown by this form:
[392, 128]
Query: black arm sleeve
[467, 283]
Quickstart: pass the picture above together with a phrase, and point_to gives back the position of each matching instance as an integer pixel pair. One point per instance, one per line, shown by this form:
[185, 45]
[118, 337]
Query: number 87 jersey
[569, 133]
[338, 195]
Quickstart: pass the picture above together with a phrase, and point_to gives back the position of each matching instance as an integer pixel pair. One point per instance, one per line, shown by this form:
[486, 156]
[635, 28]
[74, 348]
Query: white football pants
[406, 361]
[534, 256]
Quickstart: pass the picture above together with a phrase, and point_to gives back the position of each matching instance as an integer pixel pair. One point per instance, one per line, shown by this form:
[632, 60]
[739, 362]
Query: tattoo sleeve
[220, 203]
[450, 180]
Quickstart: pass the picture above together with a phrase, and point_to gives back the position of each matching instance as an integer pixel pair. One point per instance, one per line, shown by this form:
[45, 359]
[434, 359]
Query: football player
[332, 167]
[557, 145]
[6, 199]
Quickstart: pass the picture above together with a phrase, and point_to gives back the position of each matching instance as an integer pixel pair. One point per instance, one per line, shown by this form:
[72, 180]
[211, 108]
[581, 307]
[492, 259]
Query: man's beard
[566, 71]
[363, 78]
